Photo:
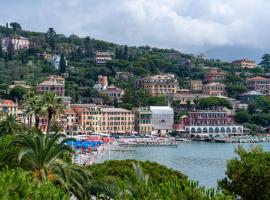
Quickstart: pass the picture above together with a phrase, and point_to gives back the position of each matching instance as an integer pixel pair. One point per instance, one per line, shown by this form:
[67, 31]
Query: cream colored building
[195, 85]
[162, 84]
[214, 89]
[18, 42]
[143, 120]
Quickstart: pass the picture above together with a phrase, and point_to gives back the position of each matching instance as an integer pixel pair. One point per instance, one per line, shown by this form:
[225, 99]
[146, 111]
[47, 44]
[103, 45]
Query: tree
[235, 90]
[53, 106]
[43, 155]
[264, 103]
[213, 102]
[15, 26]
[252, 107]
[242, 117]
[1, 49]
[248, 176]
[10, 125]
[17, 93]
[10, 50]
[125, 54]
[63, 64]
[88, 46]
[51, 38]
[34, 106]
[265, 61]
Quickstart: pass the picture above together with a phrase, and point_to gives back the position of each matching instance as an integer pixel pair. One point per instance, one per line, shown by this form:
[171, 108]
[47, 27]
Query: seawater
[201, 161]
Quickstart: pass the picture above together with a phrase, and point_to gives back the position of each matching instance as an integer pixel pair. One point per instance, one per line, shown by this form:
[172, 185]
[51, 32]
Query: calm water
[205, 162]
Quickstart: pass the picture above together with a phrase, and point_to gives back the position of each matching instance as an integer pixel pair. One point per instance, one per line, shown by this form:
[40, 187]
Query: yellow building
[159, 84]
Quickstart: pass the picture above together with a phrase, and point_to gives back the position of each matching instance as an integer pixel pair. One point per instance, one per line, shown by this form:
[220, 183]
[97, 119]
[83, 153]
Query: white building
[162, 119]
[55, 61]
[18, 42]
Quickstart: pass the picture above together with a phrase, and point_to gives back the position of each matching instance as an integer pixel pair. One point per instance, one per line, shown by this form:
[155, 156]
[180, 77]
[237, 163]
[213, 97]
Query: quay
[150, 144]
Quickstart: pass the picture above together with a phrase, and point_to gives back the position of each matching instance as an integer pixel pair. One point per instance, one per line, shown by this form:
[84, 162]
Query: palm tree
[42, 154]
[34, 106]
[53, 106]
[10, 125]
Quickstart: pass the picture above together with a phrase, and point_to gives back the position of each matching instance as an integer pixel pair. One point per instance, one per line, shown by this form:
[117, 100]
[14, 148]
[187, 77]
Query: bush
[17, 184]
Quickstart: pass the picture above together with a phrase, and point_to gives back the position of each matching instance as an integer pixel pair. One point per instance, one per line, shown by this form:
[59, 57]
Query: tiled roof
[257, 78]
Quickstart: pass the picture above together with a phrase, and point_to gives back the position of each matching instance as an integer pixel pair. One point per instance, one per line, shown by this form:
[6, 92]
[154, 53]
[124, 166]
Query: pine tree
[63, 64]
[1, 50]
[265, 61]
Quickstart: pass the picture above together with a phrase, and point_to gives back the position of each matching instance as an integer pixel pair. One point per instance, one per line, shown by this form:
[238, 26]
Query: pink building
[214, 89]
[259, 84]
[209, 122]
[55, 84]
[214, 75]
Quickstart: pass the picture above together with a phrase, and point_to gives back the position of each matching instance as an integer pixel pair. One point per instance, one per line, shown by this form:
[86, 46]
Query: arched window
[193, 130]
[199, 130]
[239, 130]
[216, 130]
[187, 130]
[205, 130]
[234, 130]
[222, 130]
[228, 130]
[211, 130]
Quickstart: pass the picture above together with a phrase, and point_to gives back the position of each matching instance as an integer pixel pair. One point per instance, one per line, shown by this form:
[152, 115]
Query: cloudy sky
[219, 28]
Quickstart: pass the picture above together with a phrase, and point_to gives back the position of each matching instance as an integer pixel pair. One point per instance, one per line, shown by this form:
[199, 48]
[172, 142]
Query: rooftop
[115, 110]
[257, 78]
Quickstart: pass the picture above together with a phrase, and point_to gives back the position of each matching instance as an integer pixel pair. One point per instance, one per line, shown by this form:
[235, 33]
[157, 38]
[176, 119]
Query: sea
[201, 161]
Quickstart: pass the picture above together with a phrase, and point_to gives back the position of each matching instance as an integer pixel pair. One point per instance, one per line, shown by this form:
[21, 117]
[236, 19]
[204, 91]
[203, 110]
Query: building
[195, 86]
[117, 121]
[162, 84]
[55, 61]
[249, 97]
[209, 123]
[20, 84]
[244, 64]
[259, 84]
[102, 83]
[102, 57]
[70, 120]
[143, 120]
[18, 43]
[214, 75]
[114, 93]
[9, 107]
[55, 84]
[214, 89]
[162, 119]
[123, 75]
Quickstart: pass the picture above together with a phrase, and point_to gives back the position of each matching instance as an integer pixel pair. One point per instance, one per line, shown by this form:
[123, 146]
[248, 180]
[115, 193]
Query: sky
[228, 29]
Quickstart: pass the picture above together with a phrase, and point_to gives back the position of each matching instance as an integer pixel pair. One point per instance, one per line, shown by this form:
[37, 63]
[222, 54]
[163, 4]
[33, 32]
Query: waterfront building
[214, 75]
[102, 57]
[209, 122]
[259, 83]
[143, 120]
[195, 86]
[18, 43]
[114, 93]
[117, 121]
[249, 97]
[214, 89]
[162, 119]
[244, 64]
[8, 106]
[162, 84]
[70, 120]
[53, 83]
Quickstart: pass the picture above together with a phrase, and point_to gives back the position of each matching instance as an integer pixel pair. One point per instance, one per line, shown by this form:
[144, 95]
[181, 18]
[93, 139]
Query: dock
[150, 144]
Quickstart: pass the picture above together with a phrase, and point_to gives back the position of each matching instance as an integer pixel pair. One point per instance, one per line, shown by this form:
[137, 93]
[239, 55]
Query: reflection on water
[205, 162]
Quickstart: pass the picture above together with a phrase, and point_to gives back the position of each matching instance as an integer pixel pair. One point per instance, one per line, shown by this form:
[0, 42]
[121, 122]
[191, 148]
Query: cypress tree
[63, 65]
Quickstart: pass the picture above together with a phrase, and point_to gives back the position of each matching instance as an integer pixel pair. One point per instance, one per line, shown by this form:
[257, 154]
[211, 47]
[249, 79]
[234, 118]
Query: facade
[159, 84]
[214, 89]
[90, 118]
[18, 42]
[114, 93]
[249, 97]
[244, 64]
[55, 61]
[9, 106]
[209, 123]
[143, 120]
[162, 119]
[195, 86]
[102, 57]
[214, 75]
[124, 75]
[55, 84]
[20, 84]
[259, 84]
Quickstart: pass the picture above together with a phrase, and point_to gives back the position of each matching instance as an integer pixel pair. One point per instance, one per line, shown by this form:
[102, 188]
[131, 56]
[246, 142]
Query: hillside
[82, 71]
